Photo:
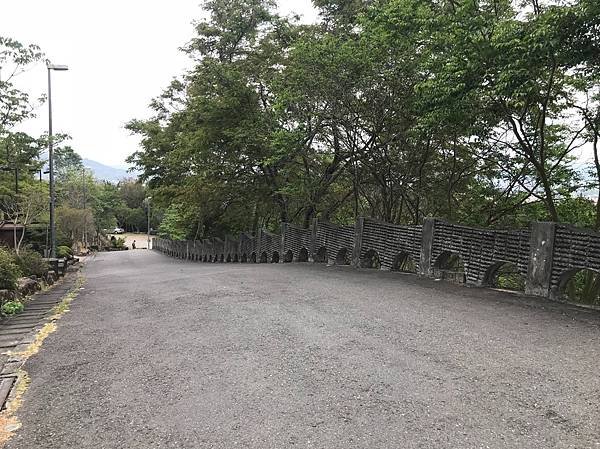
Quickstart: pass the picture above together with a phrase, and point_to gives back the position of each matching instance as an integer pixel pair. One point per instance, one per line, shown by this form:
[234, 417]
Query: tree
[66, 161]
[15, 104]
[132, 193]
[19, 158]
[107, 201]
[211, 149]
[25, 208]
[74, 223]
[396, 109]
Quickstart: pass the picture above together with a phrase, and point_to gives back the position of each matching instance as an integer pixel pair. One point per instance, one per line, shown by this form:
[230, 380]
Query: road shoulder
[22, 336]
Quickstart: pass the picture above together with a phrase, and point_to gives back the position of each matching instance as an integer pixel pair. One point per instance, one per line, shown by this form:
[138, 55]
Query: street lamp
[50, 68]
[148, 205]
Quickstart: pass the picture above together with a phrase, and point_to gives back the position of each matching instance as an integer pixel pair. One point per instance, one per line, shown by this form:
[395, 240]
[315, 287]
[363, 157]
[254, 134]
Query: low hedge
[31, 263]
[10, 272]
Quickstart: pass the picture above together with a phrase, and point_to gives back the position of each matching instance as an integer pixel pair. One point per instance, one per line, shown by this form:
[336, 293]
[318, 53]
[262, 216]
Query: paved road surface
[160, 353]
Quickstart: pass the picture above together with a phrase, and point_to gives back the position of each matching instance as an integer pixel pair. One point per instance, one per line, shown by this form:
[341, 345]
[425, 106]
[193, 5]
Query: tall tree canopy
[397, 109]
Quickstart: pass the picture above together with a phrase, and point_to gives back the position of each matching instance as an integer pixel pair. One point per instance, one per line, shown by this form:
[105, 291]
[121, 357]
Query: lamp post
[148, 206]
[85, 245]
[50, 68]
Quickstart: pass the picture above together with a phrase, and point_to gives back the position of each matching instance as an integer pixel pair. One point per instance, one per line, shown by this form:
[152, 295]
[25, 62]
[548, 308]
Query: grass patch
[11, 307]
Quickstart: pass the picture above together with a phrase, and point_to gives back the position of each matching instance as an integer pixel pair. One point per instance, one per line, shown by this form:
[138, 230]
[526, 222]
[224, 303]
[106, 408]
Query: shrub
[64, 251]
[118, 243]
[31, 263]
[11, 307]
[9, 271]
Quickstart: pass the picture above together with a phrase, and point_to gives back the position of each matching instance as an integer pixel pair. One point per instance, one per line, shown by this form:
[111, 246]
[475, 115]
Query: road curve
[162, 353]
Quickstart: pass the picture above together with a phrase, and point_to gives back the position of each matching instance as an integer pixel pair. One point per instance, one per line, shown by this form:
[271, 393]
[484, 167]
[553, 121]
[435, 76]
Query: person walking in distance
[133, 245]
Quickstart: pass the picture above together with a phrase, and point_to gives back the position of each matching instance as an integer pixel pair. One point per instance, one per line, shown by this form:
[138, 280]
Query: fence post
[313, 239]
[541, 255]
[258, 244]
[282, 249]
[358, 237]
[425, 263]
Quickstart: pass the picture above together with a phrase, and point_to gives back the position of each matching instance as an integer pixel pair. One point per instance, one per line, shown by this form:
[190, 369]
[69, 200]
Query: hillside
[106, 172]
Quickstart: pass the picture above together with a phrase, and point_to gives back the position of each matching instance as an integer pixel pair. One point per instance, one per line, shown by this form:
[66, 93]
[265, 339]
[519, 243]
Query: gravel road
[161, 353]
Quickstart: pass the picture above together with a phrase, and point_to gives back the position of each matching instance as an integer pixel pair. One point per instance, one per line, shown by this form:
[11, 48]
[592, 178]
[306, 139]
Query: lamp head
[57, 67]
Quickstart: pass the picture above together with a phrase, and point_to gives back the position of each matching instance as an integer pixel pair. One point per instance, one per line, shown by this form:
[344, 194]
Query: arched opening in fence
[370, 260]
[275, 257]
[222, 258]
[303, 255]
[210, 258]
[450, 266]
[244, 258]
[264, 258]
[343, 257]
[321, 255]
[504, 275]
[580, 285]
[289, 257]
[205, 258]
[229, 258]
[253, 257]
[236, 258]
[404, 263]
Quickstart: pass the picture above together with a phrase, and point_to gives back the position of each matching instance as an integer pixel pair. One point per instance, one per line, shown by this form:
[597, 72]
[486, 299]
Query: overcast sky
[120, 54]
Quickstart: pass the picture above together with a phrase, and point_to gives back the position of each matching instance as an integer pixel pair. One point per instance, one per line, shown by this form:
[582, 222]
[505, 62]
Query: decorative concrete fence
[296, 243]
[332, 243]
[547, 255]
[268, 247]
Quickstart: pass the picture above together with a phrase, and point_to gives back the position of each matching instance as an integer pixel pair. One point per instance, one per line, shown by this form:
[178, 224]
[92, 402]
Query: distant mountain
[108, 173]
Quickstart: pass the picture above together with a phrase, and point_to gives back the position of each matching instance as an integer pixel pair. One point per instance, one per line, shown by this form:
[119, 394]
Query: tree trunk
[15, 237]
[308, 216]
[549, 197]
[597, 164]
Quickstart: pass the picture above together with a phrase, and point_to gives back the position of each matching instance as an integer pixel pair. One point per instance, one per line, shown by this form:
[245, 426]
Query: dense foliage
[9, 270]
[30, 263]
[396, 109]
